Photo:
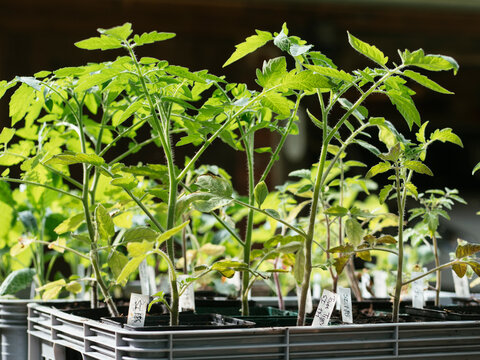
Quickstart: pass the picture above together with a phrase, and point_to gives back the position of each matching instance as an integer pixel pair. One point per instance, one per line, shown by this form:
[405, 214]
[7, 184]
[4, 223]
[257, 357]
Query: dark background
[39, 35]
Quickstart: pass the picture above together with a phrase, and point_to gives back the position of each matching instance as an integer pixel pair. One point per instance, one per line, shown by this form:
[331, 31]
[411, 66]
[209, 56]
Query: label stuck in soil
[462, 288]
[417, 291]
[187, 299]
[137, 309]
[345, 296]
[325, 308]
[309, 301]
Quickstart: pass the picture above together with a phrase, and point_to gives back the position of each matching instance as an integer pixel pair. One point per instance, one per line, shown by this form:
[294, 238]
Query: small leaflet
[417, 291]
[186, 302]
[137, 309]
[345, 296]
[325, 308]
[380, 284]
[364, 284]
[308, 303]
[462, 288]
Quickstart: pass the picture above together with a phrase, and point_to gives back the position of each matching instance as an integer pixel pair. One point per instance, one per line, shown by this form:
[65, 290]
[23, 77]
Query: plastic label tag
[137, 309]
[308, 303]
[325, 308]
[364, 284]
[417, 291]
[317, 287]
[186, 302]
[380, 284]
[345, 296]
[462, 288]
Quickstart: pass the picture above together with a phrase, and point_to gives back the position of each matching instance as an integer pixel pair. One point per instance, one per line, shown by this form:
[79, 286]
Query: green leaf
[421, 133]
[16, 281]
[104, 223]
[4, 86]
[378, 169]
[418, 167]
[272, 73]
[132, 109]
[444, 135]
[139, 234]
[347, 249]
[340, 263]
[6, 135]
[169, 233]
[215, 185]
[306, 80]
[475, 169]
[20, 102]
[184, 73]
[405, 106]
[203, 202]
[119, 32]
[99, 43]
[129, 268]
[429, 62]
[138, 249]
[460, 269]
[151, 37]
[116, 263]
[354, 231]
[384, 193]
[73, 287]
[368, 146]
[331, 72]
[76, 158]
[52, 289]
[364, 255]
[126, 182]
[386, 239]
[466, 250]
[88, 81]
[299, 266]
[277, 103]
[227, 267]
[251, 44]
[425, 81]
[336, 210]
[368, 50]
[412, 190]
[70, 224]
[261, 193]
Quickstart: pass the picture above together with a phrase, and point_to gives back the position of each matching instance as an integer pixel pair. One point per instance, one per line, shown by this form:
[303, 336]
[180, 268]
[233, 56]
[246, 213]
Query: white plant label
[152, 282]
[345, 296]
[325, 308]
[308, 303]
[317, 287]
[144, 279]
[418, 291]
[462, 288]
[364, 283]
[137, 309]
[235, 280]
[380, 284]
[186, 302]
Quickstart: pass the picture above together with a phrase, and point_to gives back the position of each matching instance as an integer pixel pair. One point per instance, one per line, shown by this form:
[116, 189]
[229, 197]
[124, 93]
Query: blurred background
[39, 35]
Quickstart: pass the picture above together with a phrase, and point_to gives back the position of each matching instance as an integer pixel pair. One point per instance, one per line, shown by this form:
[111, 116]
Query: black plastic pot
[449, 313]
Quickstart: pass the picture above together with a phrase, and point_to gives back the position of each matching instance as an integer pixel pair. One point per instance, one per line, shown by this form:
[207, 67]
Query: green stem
[249, 147]
[435, 269]
[439, 274]
[280, 144]
[295, 229]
